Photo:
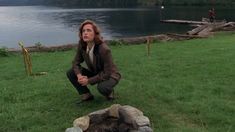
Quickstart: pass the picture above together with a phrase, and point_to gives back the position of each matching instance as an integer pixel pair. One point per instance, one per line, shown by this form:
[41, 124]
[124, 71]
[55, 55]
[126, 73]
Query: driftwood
[197, 30]
[183, 36]
[207, 29]
[208, 20]
[230, 26]
[184, 22]
[205, 32]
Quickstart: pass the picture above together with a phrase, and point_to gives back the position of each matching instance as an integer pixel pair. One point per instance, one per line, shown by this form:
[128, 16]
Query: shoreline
[204, 29]
[122, 41]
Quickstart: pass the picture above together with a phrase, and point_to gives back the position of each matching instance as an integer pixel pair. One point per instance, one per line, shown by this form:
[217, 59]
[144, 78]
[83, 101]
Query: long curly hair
[98, 38]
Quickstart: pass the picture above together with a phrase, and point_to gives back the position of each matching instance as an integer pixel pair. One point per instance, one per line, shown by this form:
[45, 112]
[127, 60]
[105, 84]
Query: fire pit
[116, 118]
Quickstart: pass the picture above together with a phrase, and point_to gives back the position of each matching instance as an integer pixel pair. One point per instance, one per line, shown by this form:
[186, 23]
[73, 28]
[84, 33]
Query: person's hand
[83, 80]
[79, 76]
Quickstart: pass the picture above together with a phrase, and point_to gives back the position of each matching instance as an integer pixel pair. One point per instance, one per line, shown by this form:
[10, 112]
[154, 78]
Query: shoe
[110, 96]
[91, 97]
[86, 97]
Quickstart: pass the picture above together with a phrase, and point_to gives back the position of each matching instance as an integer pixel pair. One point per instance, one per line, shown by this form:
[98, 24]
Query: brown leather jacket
[103, 67]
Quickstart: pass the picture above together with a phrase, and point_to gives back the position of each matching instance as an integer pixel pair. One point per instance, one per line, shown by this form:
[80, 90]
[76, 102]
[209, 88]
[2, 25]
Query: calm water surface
[56, 26]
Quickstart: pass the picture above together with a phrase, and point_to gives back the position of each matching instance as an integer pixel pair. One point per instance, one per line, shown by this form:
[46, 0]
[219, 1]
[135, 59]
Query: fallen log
[229, 25]
[207, 29]
[215, 21]
[183, 21]
[205, 32]
[197, 30]
[183, 36]
[228, 29]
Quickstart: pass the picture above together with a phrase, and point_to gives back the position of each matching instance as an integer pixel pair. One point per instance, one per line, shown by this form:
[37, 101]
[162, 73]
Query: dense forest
[115, 3]
[128, 3]
[21, 2]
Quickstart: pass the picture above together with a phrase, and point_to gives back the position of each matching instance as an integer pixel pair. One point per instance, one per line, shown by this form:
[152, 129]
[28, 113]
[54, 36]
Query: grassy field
[183, 86]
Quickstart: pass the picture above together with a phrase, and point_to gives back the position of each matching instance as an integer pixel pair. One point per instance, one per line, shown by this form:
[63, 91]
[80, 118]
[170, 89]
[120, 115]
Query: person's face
[88, 33]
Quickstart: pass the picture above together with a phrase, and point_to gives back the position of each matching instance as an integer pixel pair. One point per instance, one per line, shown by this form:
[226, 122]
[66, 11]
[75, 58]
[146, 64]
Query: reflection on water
[52, 25]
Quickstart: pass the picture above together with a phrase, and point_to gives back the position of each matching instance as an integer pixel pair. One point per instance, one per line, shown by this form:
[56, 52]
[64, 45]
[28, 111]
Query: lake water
[57, 26]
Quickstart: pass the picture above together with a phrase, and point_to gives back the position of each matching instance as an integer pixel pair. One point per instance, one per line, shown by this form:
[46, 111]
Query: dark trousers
[212, 19]
[105, 87]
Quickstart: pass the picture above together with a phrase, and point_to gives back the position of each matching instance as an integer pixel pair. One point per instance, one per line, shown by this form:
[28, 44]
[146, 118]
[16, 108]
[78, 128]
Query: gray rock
[128, 114]
[145, 129]
[73, 129]
[99, 112]
[142, 121]
[82, 122]
[113, 110]
[132, 110]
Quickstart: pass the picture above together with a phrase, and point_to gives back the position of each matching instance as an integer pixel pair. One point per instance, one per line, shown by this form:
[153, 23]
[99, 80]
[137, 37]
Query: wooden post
[27, 60]
[148, 45]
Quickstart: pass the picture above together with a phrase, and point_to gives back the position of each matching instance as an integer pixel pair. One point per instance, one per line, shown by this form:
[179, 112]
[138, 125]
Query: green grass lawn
[183, 86]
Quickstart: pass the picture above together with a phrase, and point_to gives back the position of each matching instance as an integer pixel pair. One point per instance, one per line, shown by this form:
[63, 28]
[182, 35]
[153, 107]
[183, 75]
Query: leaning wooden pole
[27, 60]
[23, 53]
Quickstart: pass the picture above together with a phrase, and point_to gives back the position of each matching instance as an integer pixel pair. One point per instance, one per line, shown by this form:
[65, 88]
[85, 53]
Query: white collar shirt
[90, 53]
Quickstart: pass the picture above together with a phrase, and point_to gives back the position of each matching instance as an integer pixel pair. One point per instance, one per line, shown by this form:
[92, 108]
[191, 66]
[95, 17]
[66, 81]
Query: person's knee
[69, 73]
[104, 90]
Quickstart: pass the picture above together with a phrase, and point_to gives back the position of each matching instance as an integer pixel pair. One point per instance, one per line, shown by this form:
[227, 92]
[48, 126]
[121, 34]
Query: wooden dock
[184, 22]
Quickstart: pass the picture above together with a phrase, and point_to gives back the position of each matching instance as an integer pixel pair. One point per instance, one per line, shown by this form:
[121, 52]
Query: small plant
[4, 52]
[116, 42]
[38, 44]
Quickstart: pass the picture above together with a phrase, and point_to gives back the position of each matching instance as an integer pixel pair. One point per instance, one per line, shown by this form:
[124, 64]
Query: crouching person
[100, 70]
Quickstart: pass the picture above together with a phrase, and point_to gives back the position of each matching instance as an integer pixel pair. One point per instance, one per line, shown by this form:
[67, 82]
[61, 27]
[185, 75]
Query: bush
[4, 52]
[116, 42]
